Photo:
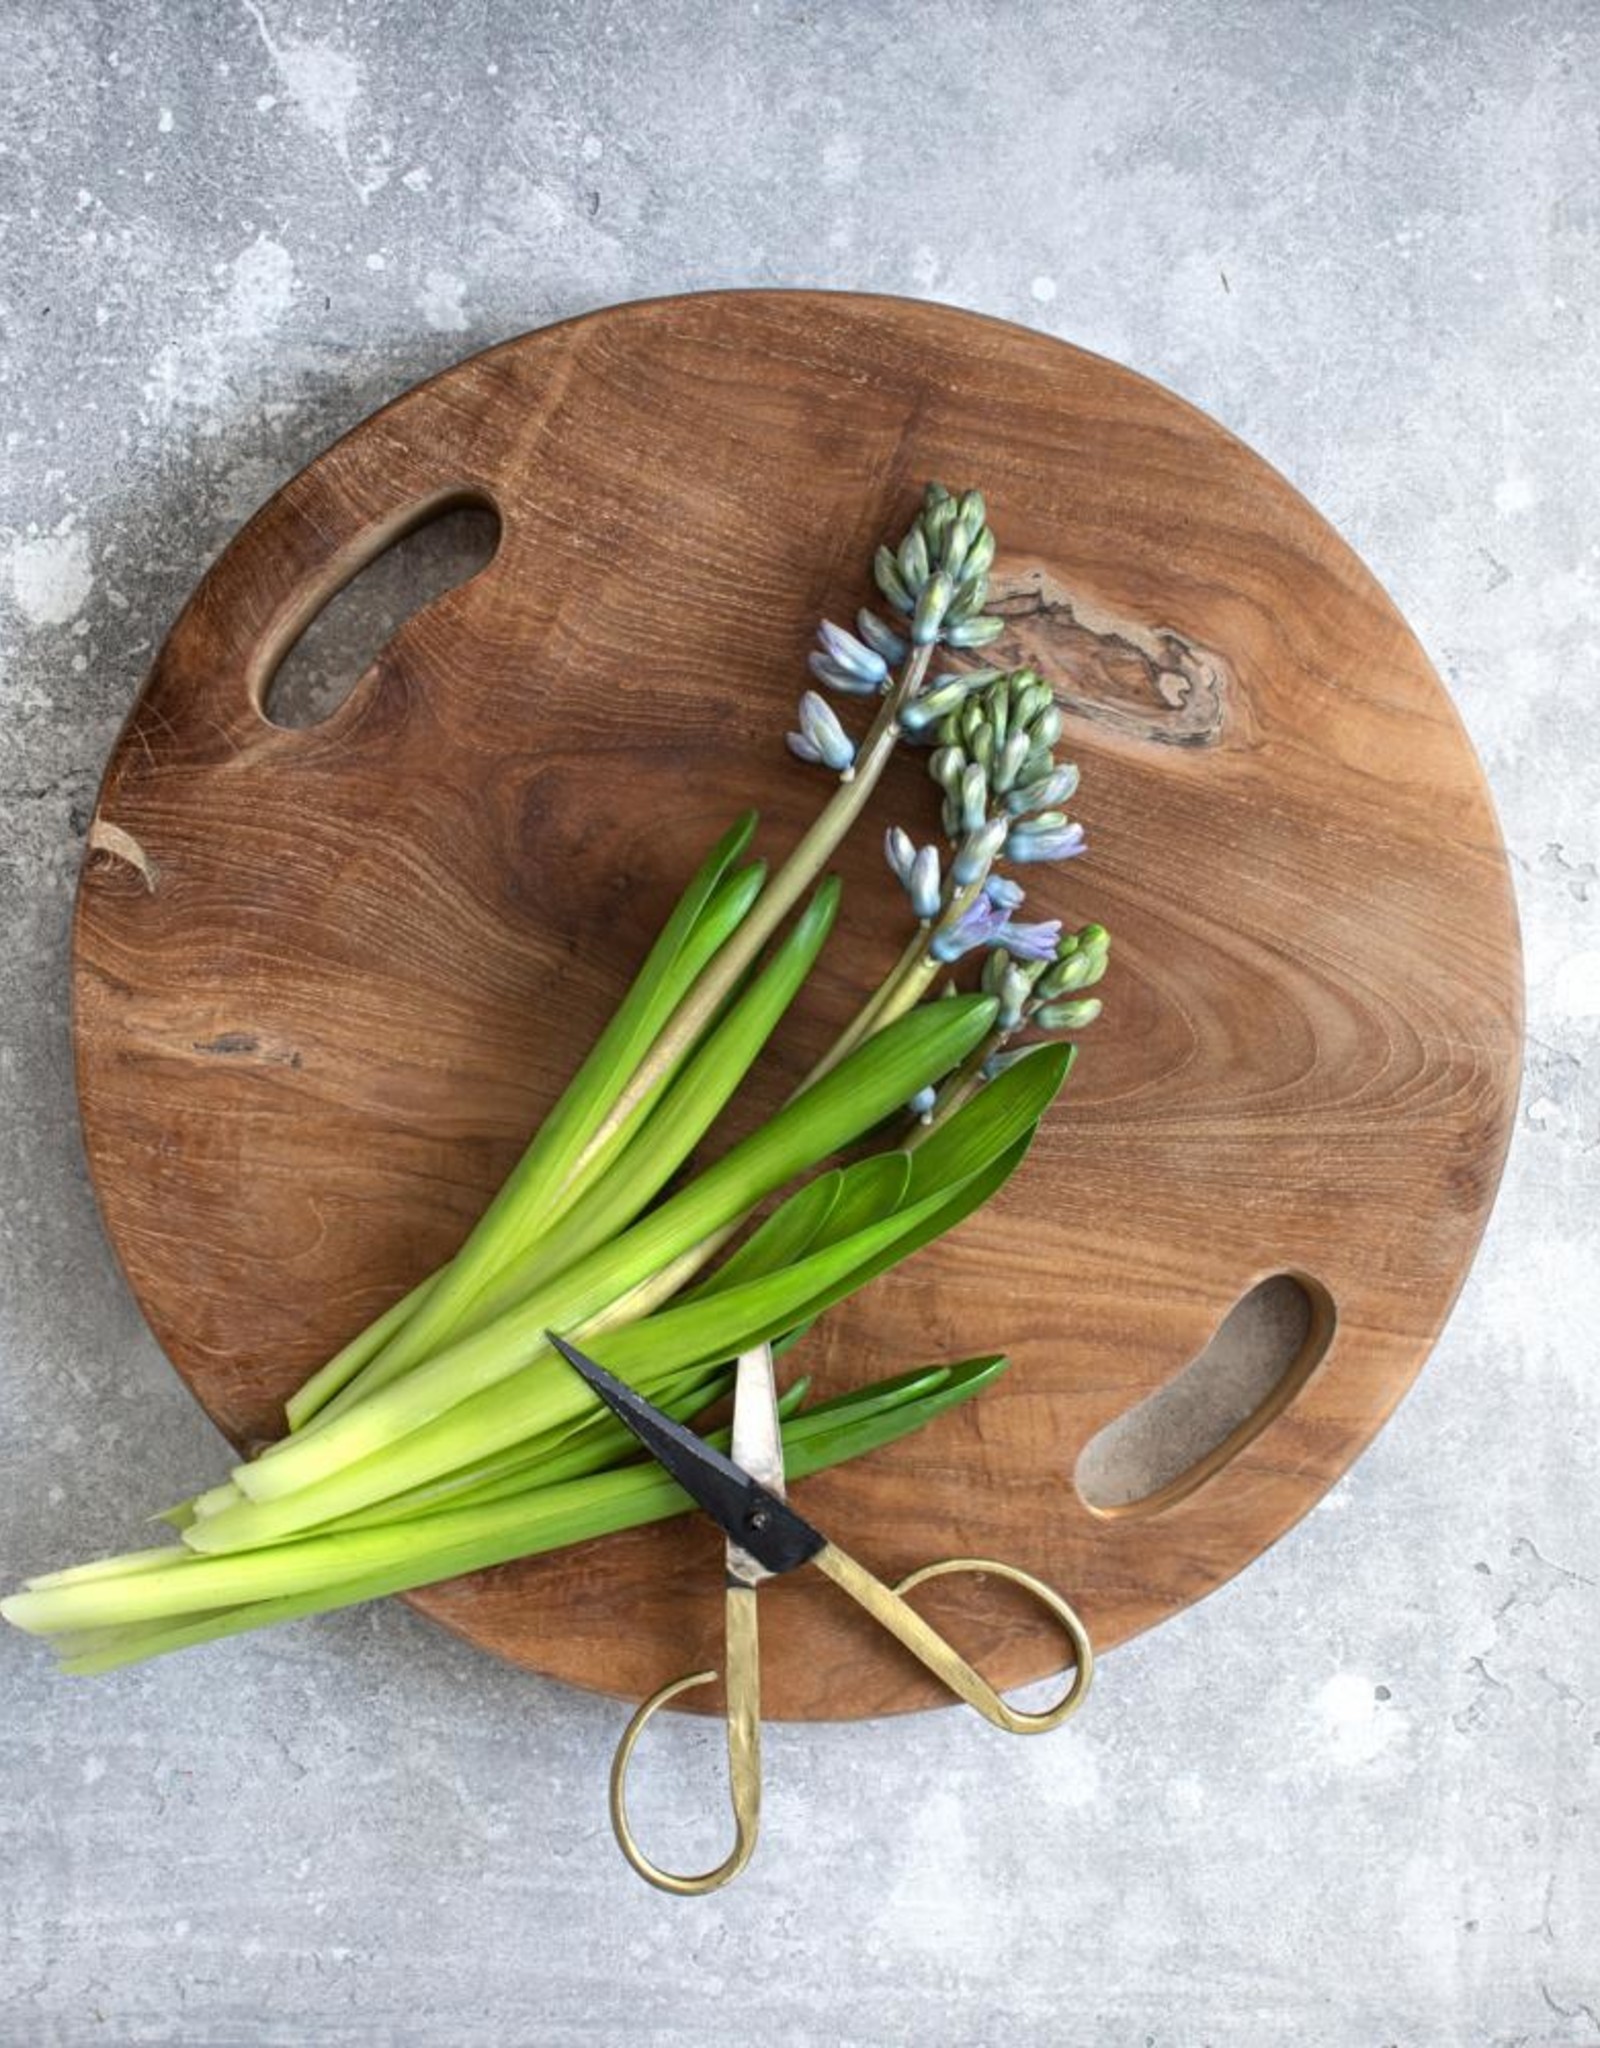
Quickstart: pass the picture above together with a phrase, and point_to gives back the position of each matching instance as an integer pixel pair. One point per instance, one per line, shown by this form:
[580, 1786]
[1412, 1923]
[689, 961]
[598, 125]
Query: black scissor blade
[768, 1528]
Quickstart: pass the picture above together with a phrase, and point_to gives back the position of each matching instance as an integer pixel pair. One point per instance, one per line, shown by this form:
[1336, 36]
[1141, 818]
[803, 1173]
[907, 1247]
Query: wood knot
[1147, 683]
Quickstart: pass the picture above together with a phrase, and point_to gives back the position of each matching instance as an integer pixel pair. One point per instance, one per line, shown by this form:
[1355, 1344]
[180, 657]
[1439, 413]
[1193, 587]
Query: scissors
[744, 1493]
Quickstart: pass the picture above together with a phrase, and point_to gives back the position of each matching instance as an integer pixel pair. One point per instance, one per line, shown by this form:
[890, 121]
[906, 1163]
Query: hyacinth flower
[992, 737]
[446, 1436]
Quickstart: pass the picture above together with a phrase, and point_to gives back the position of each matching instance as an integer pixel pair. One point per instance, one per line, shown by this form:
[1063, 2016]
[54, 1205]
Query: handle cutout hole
[1265, 1349]
[450, 544]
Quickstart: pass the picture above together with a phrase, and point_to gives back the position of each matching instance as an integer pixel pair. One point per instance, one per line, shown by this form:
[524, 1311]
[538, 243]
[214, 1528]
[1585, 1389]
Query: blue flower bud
[1061, 843]
[1045, 794]
[880, 638]
[921, 1104]
[922, 886]
[821, 733]
[913, 560]
[977, 852]
[844, 680]
[934, 704]
[886, 574]
[899, 852]
[850, 653]
[1003, 892]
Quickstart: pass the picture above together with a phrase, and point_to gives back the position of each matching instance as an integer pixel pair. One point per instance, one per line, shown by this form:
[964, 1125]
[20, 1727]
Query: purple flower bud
[1061, 842]
[852, 654]
[1032, 941]
[979, 925]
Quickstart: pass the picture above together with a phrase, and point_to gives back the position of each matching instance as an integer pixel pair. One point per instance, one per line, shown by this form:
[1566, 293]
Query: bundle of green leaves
[448, 1435]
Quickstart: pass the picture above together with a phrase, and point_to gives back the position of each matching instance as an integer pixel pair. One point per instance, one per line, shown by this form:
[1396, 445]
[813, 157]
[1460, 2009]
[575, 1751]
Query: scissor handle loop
[744, 1755]
[887, 1604]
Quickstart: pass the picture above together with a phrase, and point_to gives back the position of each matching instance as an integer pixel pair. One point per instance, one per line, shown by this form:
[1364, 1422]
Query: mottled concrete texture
[1352, 1800]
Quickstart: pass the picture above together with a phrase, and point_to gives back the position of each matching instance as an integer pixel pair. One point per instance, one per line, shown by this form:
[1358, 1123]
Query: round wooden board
[327, 980]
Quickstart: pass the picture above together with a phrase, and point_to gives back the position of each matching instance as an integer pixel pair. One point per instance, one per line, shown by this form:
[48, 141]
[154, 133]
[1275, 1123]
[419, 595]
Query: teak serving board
[328, 979]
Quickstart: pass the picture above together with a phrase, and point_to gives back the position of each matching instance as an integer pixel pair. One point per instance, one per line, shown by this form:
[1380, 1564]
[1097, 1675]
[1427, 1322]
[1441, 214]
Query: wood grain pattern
[328, 979]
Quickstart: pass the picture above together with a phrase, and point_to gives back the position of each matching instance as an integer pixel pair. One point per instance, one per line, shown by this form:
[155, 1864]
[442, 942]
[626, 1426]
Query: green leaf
[696, 1097]
[888, 1069]
[783, 1236]
[319, 1574]
[765, 1308]
[534, 1184]
[928, 1222]
[871, 1189]
[345, 1363]
[1002, 1110]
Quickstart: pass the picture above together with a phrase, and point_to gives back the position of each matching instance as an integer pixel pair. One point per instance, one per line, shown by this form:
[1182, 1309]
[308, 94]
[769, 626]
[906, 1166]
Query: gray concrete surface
[1353, 1799]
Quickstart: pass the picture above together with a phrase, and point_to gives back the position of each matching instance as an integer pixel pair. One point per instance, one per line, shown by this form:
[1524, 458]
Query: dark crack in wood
[1147, 683]
[246, 1045]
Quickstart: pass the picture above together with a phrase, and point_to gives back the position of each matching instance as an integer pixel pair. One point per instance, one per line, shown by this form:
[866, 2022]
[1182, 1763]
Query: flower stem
[873, 1011]
[783, 891]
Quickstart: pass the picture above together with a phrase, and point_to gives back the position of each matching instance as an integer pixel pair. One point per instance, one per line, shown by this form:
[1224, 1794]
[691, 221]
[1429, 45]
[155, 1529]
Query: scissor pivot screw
[758, 1518]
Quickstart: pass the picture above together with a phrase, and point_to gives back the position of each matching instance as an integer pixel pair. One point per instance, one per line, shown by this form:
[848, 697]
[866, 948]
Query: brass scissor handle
[743, 1681]
[887, 1606]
